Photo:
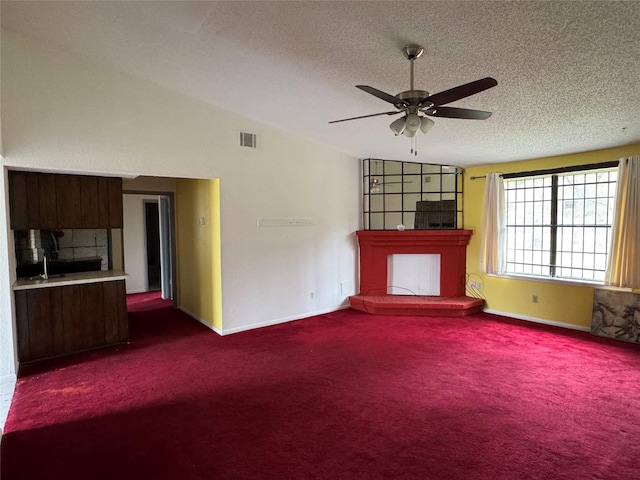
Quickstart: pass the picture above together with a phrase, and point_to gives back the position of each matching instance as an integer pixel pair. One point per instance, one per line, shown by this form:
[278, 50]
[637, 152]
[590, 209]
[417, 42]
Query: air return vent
[248, 140]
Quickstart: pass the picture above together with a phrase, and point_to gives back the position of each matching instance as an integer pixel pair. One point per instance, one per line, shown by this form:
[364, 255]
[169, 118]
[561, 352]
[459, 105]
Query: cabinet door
[89, 202]
[18, 200]
[115, 312]
[22, 325]
[93, 321]
[103, 202]
[72, 319]
[68, 201]
[39, 321]
[47, 198]
[115, 202]
[33, 200]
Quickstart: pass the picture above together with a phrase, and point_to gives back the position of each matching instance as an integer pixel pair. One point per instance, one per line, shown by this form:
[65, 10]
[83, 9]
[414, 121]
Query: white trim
[539, 320]
[133, 292]
[558, 281]
[195, 317]
[268, 323]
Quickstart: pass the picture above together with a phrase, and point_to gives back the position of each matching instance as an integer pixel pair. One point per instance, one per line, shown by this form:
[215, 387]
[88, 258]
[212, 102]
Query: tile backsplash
[76, 244]
[68, 244]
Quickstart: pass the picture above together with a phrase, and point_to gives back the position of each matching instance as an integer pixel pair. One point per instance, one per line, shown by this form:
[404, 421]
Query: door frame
[173, 256]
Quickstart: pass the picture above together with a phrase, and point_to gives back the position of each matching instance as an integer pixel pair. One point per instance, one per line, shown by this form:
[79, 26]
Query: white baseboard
[268, 323]
[195, 317]
[137, 290]
[539, 320]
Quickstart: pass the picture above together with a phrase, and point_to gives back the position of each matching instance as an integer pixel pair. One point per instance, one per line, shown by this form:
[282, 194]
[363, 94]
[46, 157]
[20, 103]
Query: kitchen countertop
[71, 279]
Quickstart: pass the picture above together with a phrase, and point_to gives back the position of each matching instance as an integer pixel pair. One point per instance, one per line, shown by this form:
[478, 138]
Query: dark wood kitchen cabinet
[47, 200]
[89, 202]
[55, 201]
[68, 202]
[32, 200]
[56, 321]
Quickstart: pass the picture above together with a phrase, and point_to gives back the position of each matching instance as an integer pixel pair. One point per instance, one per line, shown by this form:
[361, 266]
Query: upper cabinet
[51, 201]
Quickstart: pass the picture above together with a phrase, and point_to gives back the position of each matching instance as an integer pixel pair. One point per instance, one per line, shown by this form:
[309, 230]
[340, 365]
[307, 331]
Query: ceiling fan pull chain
[414, 145]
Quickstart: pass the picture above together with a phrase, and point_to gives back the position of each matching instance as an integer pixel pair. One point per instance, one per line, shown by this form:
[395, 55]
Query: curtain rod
[550, 171]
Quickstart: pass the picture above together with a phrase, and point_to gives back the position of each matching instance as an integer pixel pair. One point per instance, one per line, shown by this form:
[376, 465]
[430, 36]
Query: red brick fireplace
[451, 245]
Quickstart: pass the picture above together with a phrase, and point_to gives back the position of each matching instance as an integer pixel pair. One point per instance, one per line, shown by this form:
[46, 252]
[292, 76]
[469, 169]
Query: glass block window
[559, 225]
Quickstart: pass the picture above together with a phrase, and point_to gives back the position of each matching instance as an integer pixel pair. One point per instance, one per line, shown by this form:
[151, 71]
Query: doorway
[148, 243]
[152, 234]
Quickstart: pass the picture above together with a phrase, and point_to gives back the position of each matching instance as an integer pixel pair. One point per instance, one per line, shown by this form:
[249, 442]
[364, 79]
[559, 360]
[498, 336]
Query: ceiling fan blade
[382, 95]
[452, 112]
[461, 91]
[364, 116]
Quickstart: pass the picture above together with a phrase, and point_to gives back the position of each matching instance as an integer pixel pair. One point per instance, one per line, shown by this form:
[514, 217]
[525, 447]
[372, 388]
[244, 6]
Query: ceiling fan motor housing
[414, 97]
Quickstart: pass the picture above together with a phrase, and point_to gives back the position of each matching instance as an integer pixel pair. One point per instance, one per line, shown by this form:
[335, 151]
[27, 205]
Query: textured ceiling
[567, 72]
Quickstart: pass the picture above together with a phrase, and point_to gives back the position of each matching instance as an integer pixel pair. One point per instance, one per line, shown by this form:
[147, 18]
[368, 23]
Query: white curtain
[492, 247]
[623, 269]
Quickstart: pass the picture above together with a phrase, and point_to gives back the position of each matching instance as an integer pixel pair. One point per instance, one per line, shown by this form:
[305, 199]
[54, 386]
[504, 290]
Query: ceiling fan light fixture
[413, 123]
[397, 126]
[410, 133]
[425, 124]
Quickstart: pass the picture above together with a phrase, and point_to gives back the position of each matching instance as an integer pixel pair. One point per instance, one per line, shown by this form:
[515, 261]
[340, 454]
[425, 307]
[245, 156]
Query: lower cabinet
[55, 321]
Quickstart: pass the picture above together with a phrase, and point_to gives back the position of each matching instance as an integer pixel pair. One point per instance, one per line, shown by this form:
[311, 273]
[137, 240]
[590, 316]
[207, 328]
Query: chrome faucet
[45, 265]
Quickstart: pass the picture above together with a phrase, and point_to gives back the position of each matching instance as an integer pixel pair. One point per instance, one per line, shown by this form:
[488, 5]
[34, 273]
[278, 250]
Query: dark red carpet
[340, 396]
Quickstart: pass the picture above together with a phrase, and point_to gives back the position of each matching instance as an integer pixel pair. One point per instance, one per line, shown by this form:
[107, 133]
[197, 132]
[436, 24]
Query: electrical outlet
[534, 298]
[312, 295]
[479, 286]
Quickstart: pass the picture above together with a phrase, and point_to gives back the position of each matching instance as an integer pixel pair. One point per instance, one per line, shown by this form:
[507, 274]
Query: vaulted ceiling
[567, 72]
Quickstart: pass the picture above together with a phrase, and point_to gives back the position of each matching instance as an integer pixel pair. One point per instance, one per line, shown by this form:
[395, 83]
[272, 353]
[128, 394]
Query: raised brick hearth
[451, 245]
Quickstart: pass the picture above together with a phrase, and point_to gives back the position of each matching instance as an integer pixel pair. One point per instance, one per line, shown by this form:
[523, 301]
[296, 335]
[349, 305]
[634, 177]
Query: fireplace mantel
[376, 245]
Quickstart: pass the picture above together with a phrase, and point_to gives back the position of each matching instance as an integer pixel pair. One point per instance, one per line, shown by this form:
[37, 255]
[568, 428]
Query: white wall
[8, 366]
[7, 277]
[135, 246]
[60, 113]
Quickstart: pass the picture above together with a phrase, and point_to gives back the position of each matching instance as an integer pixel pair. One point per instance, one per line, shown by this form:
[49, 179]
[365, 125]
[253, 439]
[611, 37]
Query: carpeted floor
[345, 395]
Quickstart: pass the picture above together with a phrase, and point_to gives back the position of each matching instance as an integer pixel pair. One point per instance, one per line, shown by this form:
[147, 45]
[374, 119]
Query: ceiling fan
[414, 102]
[375, 184]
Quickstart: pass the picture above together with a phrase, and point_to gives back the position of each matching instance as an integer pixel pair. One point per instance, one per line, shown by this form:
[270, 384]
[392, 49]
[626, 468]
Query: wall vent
[248, 140]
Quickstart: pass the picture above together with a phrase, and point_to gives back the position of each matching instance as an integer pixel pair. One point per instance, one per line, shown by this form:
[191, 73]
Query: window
[558, 225]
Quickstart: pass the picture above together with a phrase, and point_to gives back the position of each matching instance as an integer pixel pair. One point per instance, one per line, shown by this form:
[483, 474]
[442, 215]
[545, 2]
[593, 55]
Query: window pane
[584, 212]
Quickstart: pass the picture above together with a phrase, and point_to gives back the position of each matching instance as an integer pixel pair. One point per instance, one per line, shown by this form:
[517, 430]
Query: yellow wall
[198, 249]
[556, 302]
